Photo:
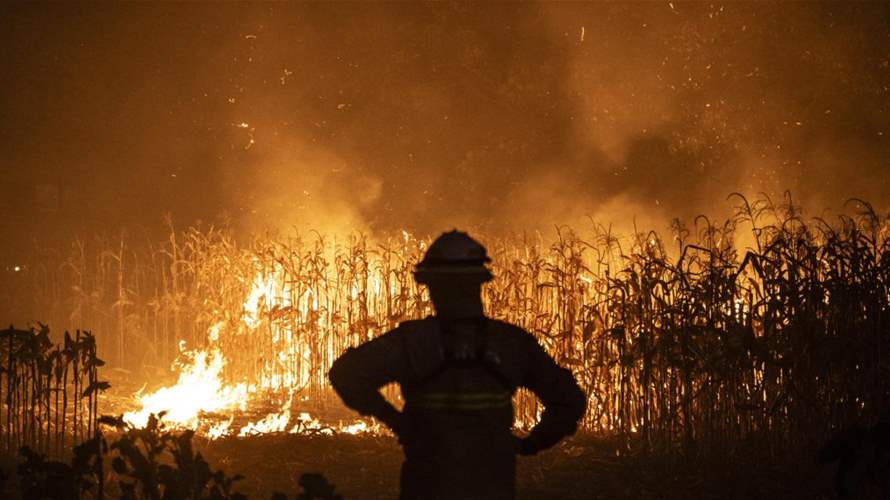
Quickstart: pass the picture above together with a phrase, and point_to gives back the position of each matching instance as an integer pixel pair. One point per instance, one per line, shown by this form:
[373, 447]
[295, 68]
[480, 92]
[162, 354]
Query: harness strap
[471, 400]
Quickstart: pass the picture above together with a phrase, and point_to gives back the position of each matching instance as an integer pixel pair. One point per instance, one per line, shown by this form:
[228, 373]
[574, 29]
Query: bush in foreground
[151, 462]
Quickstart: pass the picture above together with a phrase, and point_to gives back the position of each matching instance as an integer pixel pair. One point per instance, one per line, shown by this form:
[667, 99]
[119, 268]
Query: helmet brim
[424, 275]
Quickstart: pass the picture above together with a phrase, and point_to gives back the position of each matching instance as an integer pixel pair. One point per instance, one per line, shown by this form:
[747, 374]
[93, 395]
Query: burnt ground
[364, 467]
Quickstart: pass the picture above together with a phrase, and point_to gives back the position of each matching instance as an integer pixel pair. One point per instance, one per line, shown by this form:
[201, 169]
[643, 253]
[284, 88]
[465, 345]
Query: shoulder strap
[423, 343]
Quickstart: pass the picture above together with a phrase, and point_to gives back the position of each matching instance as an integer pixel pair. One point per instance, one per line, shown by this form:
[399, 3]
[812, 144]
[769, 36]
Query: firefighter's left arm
[359, 373]
[564, 402]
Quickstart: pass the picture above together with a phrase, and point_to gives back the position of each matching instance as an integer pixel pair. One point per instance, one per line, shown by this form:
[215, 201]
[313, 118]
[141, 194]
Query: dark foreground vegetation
[145, 463]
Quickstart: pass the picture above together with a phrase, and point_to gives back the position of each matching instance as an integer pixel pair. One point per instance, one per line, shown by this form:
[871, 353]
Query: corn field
[50, 393]
[681, 340]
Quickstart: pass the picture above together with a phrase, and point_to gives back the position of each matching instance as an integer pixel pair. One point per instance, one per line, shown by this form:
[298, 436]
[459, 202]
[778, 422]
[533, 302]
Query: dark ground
[580, 468]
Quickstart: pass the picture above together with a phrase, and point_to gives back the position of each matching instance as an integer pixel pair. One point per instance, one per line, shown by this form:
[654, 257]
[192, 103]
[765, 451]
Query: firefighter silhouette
[458, 371]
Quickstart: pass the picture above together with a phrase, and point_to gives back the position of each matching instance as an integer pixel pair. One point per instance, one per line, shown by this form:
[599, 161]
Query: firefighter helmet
[453, 254]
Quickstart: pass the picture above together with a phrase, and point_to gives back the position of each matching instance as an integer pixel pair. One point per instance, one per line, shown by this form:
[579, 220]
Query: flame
[199, 389]
[307, 425]
[219, 430]
[273, 422]
[199, 397]
[359, 428]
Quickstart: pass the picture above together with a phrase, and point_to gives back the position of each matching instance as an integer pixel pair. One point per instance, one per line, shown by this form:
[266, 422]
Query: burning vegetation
[685, 341]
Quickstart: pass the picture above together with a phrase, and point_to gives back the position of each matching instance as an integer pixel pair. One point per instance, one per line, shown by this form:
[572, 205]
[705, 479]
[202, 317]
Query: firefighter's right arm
[359, 373]
[564, 402]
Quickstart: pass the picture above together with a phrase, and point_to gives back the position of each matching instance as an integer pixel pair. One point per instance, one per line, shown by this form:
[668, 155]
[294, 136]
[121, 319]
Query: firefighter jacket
[457, 380]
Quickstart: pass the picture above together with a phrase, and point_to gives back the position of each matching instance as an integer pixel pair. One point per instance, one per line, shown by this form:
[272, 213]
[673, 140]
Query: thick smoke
[499, 117]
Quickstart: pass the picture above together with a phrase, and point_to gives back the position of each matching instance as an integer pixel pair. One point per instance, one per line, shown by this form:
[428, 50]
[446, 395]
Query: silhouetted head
[454, 269]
